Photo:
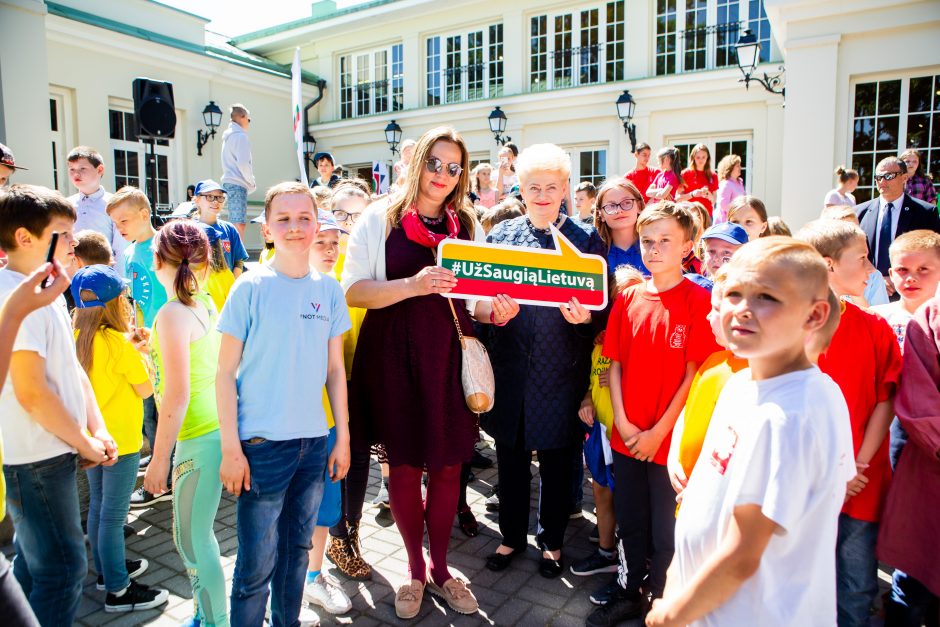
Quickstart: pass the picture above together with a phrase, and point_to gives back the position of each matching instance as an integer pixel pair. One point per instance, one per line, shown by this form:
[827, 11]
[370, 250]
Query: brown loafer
[408, 599]
[456, 594]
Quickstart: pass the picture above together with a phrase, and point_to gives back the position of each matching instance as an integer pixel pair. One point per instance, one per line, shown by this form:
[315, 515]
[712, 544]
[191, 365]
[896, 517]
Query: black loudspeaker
[153, 109]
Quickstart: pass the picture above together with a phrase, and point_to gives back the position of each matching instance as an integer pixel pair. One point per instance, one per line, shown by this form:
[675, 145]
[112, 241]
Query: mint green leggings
[197, 490]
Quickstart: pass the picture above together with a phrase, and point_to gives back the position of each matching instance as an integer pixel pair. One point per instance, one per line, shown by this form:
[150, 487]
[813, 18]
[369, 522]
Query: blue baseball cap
[727, 231]
[103, 281]
[320, 155]
[206, 186]
[328, 222]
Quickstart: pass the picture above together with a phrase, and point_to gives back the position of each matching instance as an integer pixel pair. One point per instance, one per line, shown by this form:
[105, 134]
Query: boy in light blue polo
[282, 329]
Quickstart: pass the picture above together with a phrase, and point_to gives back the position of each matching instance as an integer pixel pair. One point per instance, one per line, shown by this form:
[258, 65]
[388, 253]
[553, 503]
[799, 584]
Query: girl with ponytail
[185, 352]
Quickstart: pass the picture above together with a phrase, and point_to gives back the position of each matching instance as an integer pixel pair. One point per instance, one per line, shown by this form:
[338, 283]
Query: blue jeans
[150, 432]
[911, 604]
[236, 202]
[897, 437]
[275, 522]
[856, 571]
[50, 562]
[109, 493]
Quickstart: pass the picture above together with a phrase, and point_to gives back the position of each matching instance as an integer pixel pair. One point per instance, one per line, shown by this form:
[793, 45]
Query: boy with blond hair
[756, 533]
[129, 209]
[865, 362]
[274, 432]
[661, 322]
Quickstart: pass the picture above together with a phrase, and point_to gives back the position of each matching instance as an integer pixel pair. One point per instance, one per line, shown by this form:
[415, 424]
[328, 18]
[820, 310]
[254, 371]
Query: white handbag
[476, 372]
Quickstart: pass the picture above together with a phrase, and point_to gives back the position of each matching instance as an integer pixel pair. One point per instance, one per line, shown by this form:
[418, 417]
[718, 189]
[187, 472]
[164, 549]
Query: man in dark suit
[892, 213]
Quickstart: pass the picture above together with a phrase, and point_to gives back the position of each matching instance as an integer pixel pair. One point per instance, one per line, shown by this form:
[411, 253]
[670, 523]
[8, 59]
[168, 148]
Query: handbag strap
[450, 301]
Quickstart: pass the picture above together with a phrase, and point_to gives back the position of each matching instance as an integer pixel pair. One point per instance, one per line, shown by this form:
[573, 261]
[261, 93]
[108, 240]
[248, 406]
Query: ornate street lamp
[497, 121]
[212, 117]
[748, 49]
[393, 136]
[626, 107]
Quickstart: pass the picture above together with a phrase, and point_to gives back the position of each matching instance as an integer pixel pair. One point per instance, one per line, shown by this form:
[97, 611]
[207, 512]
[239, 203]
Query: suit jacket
[915, 214]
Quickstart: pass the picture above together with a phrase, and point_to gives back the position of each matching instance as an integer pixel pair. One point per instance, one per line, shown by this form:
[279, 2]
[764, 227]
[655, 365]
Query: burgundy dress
[407, 402]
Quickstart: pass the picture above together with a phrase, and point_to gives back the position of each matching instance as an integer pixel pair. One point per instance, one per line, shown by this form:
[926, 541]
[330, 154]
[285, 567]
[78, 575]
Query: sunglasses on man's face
[887, 176]
[435, 165]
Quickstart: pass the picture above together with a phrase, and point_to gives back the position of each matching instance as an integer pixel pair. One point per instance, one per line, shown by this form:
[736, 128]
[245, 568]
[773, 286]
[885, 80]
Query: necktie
[883, 262]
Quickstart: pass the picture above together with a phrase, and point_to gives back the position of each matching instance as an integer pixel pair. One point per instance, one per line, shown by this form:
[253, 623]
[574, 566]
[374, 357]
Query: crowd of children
[784, 443]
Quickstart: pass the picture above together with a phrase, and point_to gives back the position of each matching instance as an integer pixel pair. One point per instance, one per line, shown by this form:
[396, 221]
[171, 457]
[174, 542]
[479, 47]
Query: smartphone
[50, 256]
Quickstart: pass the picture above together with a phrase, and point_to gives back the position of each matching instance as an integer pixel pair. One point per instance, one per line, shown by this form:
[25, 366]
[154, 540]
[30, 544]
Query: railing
[707, 47]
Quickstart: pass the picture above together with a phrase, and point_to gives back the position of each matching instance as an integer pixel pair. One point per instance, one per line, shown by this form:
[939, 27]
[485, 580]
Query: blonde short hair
[830, 237]
[542, 158]
[663, 211]
[129, 195]
[839, 212]
[919, 241]
[287, 187]
[806, 267]
[324, 196]
[625, 276]
[776, 226]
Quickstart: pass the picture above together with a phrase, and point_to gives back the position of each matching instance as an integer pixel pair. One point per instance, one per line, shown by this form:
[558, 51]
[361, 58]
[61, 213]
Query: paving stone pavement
[516, 596]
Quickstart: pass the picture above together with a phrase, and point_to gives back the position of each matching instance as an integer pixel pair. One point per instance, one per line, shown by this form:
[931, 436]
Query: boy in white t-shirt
[47, 413]
[756, 534]
[915, 273]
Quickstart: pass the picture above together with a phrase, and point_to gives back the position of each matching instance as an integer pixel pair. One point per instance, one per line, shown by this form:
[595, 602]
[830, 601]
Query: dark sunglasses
[887, 176]
[435, 165]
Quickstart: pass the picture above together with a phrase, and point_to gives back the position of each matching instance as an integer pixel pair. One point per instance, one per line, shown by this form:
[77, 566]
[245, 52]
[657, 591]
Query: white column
[515, 51]
[414, 58]
[24, 89]
[809, 134]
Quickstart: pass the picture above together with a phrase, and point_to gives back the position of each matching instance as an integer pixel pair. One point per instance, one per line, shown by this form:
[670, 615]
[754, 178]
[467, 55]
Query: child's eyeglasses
[344, 216]
[435, 165]
[216, 198]
[887, 176]
[613, 208]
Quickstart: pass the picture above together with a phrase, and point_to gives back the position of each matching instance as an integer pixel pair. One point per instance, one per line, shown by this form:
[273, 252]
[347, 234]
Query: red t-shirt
[654, 337]
[865, 361]
[642, 177]
[696, 179]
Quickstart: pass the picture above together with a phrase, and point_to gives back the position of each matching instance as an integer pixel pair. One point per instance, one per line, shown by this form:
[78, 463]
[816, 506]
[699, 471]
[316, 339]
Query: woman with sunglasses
[406, 399]
[541, 361]
[619, 204]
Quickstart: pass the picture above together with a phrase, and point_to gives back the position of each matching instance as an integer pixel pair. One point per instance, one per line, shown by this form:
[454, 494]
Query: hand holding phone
[50, 257]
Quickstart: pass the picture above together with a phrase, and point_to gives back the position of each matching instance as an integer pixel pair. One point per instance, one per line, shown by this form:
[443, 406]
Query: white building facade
[66, 71]
[862, 78]
[557, 68]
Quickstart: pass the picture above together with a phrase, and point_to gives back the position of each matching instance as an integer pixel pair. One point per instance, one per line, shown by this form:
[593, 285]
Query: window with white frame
[588, 164]
[371, 82]
[59, 169]
[582, 47]
[890, 116]
[129, 153]
[464, 66]
[719, 147]
[701, 34]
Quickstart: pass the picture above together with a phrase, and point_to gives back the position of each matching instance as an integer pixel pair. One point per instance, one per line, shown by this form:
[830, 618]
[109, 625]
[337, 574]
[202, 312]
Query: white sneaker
[326, 592]
[308, 618]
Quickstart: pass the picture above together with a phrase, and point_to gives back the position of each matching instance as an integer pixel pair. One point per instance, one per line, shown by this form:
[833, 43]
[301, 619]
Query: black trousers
[14, 607]
[353, 490]
[645, 507]
[555, 495]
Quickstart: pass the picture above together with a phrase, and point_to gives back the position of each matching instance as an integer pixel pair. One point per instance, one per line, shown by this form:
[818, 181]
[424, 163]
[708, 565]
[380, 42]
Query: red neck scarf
[419, 233]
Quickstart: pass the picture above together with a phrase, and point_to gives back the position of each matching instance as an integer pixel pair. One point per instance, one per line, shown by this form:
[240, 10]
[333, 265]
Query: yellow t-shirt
[703, 395]
[115, 367]
[356, 316]
[267, 254]
[600, 396]
[219, 284]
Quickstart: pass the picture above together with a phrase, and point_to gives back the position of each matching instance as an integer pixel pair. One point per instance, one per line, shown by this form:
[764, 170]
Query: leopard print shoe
[340, 551]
